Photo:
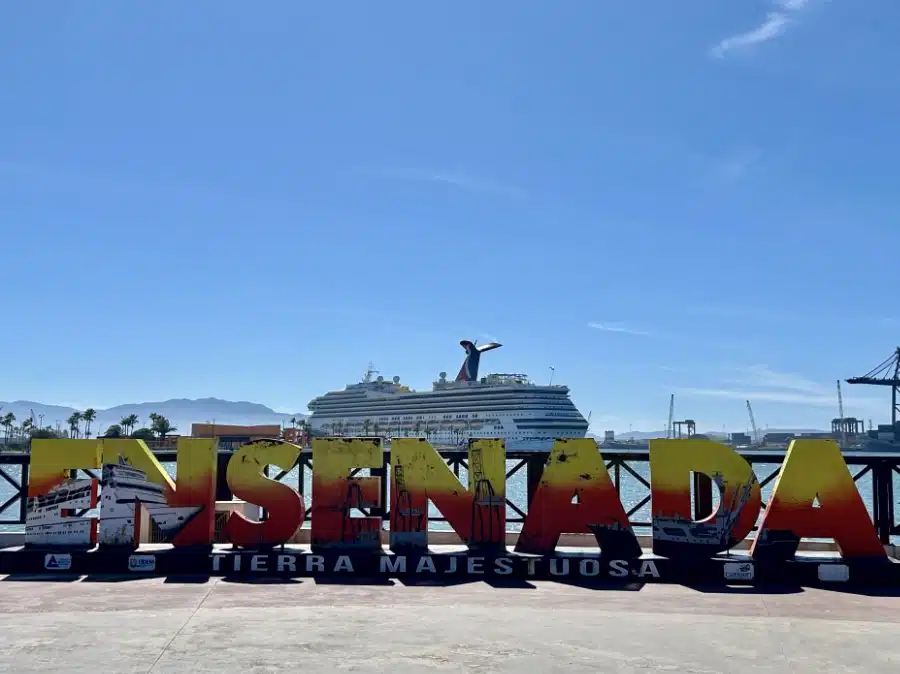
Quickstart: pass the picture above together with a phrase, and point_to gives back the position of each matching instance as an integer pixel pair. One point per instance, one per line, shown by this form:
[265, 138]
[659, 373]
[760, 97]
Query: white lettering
[216, 562]
[618, 568]
[343, 563]
[451, 568]
[287, 562]
[474, 564]
[648, 568]
[425, 562]
[258, 563]
[555, 570]
[530, 565]
[237, 562]
[503, 566]
[395, 564]
[315, 563]
[589, 567]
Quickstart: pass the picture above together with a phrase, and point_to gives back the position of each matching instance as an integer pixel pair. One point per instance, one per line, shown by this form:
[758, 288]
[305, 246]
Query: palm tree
[74, 420]
[128, 423]
[161, 426]
[88, 415]
[27, 427]
[114, 431]
[294, 422]
[8, 420]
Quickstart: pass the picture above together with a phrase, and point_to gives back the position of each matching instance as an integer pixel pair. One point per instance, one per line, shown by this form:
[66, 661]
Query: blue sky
[699, 198]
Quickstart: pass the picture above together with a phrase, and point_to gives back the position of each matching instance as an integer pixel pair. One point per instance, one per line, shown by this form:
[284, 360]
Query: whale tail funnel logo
[469, 369]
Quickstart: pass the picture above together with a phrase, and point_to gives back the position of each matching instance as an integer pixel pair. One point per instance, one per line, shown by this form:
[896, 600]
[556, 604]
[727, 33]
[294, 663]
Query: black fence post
[883, 499]
[223, 491]
[382, 510]
[703, 500]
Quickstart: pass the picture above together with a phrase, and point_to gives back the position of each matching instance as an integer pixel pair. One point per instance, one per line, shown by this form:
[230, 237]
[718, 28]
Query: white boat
[680, 528]
[509, 406]
[61, 516]
[122, 487]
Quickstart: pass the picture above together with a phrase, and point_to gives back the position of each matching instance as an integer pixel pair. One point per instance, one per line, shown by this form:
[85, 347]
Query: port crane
[753, 424]
[841, 415]
[886, 373]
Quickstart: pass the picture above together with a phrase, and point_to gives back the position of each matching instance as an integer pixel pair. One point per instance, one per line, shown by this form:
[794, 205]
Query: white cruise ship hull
[508, 406]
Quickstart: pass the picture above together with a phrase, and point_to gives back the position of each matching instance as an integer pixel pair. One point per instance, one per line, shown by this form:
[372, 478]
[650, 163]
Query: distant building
[609, 436]
[231, 437]
[822, 435]
[777, 438]
[741, 439]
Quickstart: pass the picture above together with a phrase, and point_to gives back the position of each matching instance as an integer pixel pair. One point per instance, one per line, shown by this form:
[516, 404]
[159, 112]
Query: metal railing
[873, 475]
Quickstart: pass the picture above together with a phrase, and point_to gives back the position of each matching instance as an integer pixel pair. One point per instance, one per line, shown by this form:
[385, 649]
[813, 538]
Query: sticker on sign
[58, 562]
[738, 571]
[834, 573]
[142, 563]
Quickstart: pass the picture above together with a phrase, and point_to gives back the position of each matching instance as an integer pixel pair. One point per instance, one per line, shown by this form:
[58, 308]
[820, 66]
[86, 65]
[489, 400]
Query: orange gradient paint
[419, 474]
[575, 495]
[52, 461]
[195, 485]
[675, 533]
[335, 493]
[247, 481]
[816, 469]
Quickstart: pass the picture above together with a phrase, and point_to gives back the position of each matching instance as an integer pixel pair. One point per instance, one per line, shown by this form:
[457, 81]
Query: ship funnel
[469, 369]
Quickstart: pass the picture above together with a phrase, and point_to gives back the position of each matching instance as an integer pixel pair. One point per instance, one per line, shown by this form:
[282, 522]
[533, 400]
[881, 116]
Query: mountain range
[181, 413]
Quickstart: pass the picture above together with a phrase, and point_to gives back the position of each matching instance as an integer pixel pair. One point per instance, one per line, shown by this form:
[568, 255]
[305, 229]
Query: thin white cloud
[792, 5]
[775, 24]
[460, 181]
[617, 327]
[765, 396]
[764, 377]
[761, 383]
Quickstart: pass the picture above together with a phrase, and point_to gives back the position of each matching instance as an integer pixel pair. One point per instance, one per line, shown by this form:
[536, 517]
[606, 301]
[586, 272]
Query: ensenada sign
[814, 497]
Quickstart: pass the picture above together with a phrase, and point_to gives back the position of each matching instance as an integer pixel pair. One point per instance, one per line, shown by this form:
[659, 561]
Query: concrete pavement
[216, 625]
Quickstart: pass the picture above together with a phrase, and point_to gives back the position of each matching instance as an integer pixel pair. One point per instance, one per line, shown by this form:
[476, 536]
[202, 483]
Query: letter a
[576, 468]
[815, 469]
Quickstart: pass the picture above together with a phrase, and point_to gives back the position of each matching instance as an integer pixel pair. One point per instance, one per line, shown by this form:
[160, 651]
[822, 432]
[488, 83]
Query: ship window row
[448, 391]
[432, 401]
[548, 427]
[442, 400]
[455, 395]
[539, 413]
[409, 409]
[449, 417]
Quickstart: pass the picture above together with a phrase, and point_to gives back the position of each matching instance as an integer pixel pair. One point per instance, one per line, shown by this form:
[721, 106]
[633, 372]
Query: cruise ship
[509, 406]
[62, 516]
[123, 487]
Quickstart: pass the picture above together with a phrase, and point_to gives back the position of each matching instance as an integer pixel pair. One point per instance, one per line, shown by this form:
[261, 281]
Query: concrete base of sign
[448, 564]
[449, 538]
